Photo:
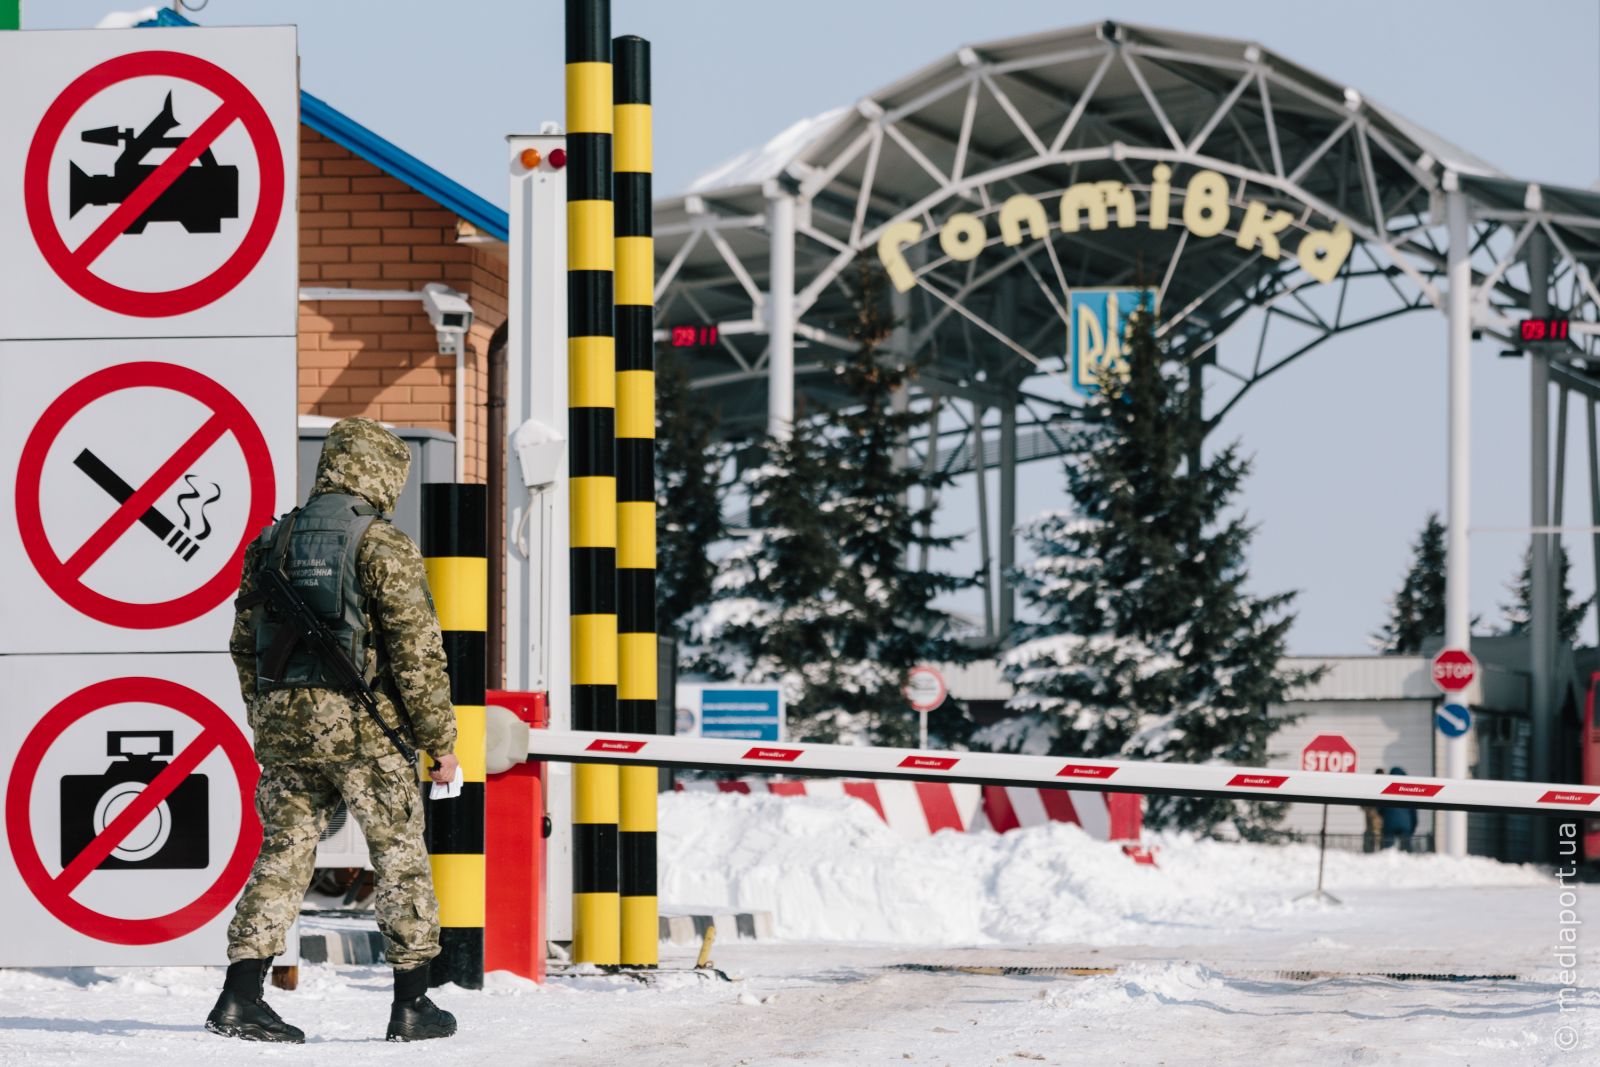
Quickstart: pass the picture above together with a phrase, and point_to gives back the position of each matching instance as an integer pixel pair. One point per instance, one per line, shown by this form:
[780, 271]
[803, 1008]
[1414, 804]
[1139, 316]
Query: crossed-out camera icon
[174, 836]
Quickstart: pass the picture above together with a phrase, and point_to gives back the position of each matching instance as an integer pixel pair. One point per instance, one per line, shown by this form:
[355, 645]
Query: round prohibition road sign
[217, 731]
[74, 265]
[64, 576]
[925, 689]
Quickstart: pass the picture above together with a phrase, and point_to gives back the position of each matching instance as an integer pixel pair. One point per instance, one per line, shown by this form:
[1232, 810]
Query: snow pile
[829, 869]
[127, 20]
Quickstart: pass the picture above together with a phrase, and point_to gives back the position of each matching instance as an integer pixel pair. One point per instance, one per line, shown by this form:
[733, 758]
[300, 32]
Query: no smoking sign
[156, 184]
[136, 487]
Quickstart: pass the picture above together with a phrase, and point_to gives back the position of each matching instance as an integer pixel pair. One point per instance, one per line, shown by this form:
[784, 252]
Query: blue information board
[748, 713]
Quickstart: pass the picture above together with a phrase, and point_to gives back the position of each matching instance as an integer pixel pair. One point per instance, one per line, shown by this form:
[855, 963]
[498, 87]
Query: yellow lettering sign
[963, 236]
[1207, 211]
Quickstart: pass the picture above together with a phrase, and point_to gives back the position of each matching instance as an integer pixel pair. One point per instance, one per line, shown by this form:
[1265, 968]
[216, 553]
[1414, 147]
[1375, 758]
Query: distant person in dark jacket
[1398, 823]
[1374, 831]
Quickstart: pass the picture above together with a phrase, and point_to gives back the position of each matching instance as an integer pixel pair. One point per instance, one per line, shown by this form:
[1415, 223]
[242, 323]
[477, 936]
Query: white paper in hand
[445, 792]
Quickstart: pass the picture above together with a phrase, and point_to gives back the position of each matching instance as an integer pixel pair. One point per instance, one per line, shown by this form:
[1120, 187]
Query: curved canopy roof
[1294, 153]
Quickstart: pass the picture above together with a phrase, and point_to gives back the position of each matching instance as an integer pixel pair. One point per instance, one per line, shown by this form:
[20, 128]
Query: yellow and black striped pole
[455, 551]
[592, 465]
[636, 496]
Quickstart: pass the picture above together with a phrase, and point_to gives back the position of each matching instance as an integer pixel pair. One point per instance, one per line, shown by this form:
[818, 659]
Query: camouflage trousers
[295, 803]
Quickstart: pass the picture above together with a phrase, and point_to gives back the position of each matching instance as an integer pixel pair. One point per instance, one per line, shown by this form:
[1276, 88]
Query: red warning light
[558, 157]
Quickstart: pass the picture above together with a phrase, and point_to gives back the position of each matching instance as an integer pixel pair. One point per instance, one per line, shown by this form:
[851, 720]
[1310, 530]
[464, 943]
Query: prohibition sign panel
[129, 823]
[133, 485]
[156, 173]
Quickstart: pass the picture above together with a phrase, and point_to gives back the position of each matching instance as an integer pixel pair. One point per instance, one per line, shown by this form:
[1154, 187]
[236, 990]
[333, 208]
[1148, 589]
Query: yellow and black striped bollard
[455, 553]
[636, 507]
[592, 466]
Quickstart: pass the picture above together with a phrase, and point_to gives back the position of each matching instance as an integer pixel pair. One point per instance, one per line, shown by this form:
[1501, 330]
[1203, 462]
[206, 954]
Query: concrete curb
[349, 939]
[690, 929]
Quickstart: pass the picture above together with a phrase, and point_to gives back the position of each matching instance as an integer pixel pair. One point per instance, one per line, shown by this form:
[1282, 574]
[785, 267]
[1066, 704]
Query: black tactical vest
[316, 546]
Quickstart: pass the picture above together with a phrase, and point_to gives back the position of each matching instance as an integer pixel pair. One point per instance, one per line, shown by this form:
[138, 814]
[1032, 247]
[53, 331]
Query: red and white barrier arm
[1248, 783]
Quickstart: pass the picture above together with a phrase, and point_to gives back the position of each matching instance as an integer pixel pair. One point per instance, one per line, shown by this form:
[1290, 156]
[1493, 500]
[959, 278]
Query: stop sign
[1454, 669]
[1328, 752]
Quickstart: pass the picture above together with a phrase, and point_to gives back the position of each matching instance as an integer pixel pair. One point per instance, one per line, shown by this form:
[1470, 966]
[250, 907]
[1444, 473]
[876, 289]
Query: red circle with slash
[73, 265]
[217, 731]
[65, 577]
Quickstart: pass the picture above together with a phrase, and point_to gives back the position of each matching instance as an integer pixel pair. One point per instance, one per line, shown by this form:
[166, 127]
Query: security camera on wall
[450, 314]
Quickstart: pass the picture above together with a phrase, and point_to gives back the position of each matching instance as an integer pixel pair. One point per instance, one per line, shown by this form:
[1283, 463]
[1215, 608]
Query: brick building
[374, 218]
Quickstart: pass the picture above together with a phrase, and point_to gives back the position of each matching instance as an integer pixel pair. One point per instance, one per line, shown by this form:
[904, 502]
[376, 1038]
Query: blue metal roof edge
[384, 154]
[394, 160]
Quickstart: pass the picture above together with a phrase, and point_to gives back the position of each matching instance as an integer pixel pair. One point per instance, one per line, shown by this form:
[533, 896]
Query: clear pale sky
[1349, 442]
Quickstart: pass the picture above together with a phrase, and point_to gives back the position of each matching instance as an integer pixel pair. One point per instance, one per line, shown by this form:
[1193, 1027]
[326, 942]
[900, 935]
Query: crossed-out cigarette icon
[152, 519]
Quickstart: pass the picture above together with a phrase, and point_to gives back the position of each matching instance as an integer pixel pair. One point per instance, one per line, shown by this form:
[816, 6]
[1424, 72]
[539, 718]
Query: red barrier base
[514, 857]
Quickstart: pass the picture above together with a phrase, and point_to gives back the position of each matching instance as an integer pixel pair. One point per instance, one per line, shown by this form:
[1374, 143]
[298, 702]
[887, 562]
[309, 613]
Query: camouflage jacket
[314, 725]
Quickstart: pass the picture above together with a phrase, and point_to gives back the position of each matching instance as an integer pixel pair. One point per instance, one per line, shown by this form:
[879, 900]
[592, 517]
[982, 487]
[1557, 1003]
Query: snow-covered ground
[1212, 961]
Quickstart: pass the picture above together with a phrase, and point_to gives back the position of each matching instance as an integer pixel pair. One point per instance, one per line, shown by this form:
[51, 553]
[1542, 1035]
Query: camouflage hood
[363, 459]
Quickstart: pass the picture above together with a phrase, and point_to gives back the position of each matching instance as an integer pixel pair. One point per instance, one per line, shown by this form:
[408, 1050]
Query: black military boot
[414, 1017]
[242, 1011]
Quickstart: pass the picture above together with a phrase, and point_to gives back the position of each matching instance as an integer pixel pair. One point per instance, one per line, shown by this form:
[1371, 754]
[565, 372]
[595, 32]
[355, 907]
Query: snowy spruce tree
[688, 470]
[821, 595]
[1520, 609]
[774, 594]
[1146, 644]
[891, 625]
[1416, 611]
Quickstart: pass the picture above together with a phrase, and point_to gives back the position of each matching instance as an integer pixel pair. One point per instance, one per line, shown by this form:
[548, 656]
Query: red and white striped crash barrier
[1057, 772]
[917, 809]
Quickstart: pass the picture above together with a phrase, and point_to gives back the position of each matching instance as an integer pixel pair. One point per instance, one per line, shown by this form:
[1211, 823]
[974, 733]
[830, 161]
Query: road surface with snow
[929, 952]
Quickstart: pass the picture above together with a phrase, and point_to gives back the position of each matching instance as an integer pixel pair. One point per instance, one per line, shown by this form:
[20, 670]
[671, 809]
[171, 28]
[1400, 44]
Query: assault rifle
[303, 624]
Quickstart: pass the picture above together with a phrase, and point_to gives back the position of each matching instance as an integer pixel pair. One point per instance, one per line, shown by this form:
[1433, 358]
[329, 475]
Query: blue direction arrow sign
[1453, 720]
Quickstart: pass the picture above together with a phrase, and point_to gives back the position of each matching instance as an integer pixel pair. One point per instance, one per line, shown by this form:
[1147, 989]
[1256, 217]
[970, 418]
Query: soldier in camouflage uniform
[318, 746]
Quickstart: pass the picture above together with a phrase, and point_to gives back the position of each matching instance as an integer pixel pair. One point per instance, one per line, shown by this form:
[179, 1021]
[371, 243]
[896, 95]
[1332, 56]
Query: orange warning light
[530, 158]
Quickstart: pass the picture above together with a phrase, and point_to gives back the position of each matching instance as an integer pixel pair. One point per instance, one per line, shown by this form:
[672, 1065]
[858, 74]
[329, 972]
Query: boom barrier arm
[512, 742]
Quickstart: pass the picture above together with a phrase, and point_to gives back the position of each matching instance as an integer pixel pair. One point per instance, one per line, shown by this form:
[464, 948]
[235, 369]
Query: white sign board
[149, 182]
[129, 826]
[136, 472]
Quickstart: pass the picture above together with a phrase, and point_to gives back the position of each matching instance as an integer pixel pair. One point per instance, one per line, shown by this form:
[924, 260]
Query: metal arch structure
[1324, 212]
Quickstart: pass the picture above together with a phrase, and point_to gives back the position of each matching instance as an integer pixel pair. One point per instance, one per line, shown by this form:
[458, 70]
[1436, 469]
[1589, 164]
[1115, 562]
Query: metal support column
[636, 494]
[780, 314]
[900, 346]
[1007, 607]
[1558, 509]
[1457, 609]
[930, 466]
[535, 522]
[980, 471]
[454, 552]
[592, 473]
[1594, 495]
[1541, 632]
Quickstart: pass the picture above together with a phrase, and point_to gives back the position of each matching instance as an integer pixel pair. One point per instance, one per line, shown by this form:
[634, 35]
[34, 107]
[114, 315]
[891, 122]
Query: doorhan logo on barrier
[153, 167]
[137, 491]
[110, 819]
